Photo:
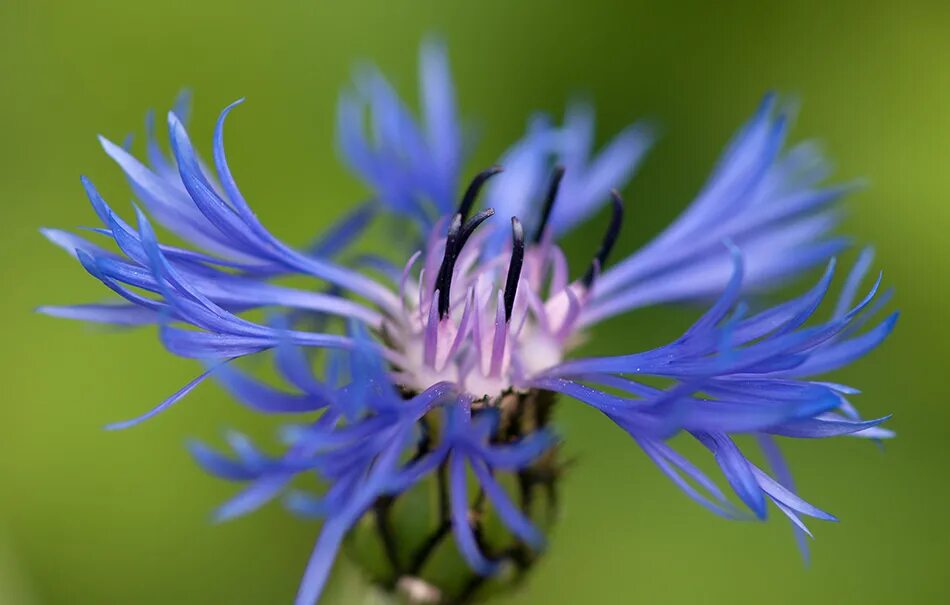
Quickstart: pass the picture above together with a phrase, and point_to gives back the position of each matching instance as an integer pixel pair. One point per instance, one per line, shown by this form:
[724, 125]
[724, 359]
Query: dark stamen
[459, 234]
[444, 281]
[457, 237]
[471, 224]
[514, 269]
[468, 200]
[610, 238]
[549, 202]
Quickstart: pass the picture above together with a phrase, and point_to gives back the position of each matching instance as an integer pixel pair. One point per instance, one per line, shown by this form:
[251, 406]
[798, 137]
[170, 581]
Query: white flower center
[497, 327]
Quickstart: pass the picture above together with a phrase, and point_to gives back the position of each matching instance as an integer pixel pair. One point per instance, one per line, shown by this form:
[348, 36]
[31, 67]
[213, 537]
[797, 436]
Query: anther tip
[468, 200]
[517, 231]
[514, 268]
[553, 187]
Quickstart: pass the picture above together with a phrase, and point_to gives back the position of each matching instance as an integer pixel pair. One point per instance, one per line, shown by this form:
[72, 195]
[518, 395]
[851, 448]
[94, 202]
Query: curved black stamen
[454, 242]
[610, 238]
[444, 281]
[514, 269]
[471, 224]
[468, 200]
[459, 234]
[549, 202]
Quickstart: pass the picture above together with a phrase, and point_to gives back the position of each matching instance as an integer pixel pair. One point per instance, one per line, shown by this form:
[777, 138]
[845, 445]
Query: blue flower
[430, 369]
[413, 170]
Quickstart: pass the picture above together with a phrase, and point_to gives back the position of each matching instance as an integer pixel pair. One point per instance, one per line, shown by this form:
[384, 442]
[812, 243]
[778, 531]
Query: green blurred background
[88, 517]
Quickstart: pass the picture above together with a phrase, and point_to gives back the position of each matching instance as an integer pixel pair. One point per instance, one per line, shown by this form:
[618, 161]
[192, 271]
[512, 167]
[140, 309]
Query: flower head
[443, 370]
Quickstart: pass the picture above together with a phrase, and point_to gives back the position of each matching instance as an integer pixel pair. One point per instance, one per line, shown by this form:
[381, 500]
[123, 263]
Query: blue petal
[264, 398]
[344, 231]
[175, 398]
[321, 561]
[776, 460]
[513, 518]
[519, 455]
[844, 353]
[766, 203]
[461, 526]
[252, 497]
[220, 465]
[114, 313]
[818, 428]
[786, 497]
[671, 463]
[736, 469]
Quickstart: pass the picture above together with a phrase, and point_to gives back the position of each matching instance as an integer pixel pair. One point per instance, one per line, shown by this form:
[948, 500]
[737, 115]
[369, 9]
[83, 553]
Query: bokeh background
[89, 517]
